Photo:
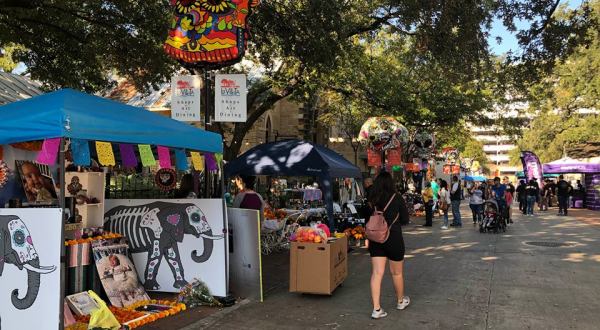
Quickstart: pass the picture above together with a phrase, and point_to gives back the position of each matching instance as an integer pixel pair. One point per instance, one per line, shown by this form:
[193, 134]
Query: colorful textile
[49, 152]
[211, 162]
[105, 153]
[197, 161]
[213, 33]
[181, 161]
[128, 157]
[164, 157]
[80, 149]
[146, 155]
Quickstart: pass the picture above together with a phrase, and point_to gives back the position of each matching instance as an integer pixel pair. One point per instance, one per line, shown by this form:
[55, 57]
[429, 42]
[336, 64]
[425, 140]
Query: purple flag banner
[532, 168]
[211, 162]
[128, 157]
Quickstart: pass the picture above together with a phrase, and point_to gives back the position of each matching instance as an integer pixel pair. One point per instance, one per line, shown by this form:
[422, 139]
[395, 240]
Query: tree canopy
[427, 62]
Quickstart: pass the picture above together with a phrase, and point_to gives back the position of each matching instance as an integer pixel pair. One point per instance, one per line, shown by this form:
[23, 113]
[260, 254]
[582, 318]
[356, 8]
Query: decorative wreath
[166, 179]
[4, 173]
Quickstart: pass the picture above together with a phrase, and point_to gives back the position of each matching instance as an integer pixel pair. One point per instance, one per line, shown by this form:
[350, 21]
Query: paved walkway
[458, 279]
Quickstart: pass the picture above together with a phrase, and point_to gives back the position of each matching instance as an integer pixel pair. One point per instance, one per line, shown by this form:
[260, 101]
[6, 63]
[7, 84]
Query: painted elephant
[16, 247]
[157, 228]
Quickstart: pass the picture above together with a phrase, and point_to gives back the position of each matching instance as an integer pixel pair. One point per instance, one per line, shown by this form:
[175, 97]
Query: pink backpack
[377, 228]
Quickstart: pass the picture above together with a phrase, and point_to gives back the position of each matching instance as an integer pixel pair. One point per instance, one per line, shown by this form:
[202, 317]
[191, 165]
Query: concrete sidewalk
[458, 279]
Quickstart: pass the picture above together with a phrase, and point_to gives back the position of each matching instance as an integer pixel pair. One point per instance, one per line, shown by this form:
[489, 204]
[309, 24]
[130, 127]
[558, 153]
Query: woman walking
[384, 195]
[428, 201]
[444, 202]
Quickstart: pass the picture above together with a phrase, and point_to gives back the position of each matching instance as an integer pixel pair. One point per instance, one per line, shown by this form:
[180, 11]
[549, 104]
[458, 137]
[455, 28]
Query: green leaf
[222, 25]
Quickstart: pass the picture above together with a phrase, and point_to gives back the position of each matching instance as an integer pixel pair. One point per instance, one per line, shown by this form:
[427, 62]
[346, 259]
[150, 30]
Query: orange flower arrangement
[90, 239]
[130, 318]
[274, 214]
[357, 232]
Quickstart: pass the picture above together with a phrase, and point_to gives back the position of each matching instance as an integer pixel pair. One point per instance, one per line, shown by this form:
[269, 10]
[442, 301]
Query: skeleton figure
[423, 145]
[156, 229]
[208, 31]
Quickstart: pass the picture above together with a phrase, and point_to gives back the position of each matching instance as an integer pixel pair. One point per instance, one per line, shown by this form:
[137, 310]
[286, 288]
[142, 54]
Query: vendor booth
[84, 241]
[318, 257]
[296, 158]
[591, 171]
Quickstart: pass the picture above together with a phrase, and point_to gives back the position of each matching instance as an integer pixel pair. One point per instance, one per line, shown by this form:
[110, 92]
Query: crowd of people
[530, 193]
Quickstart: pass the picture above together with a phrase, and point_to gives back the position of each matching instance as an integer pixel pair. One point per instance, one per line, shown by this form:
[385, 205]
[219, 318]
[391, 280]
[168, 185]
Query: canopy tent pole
[328, 199]
[61, 203]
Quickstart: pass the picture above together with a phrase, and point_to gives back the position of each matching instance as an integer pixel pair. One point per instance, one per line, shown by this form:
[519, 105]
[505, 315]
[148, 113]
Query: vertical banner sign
[185, 98]
[532, 168]
[230, 98]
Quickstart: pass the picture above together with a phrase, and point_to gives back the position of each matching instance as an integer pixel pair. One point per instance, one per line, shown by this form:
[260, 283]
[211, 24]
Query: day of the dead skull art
[209, 32]
[423, 145]
[450, 155]
[383, 133]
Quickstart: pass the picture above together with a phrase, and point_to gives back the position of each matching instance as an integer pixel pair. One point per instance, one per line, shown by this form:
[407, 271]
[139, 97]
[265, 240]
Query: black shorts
[393, 248]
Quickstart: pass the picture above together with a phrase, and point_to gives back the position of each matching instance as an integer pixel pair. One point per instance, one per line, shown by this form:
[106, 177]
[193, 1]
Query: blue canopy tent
[295, 158]
[68, 113]
[71, 114]
[475, 178]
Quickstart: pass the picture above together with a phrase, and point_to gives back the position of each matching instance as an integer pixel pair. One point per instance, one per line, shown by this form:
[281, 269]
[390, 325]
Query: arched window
[268, 129]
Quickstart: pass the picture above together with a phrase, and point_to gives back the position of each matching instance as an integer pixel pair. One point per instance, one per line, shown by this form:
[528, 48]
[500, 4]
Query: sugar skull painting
[423, 143]
[210, 33]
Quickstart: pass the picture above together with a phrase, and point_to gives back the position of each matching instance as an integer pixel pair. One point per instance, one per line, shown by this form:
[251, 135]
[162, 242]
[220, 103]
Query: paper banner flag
[211, 162]
[164, 157]
[128, 157]
[105, 153]
[49, 151]
[393, 157]
[197, 161]
[181, 160]
[146, 155]
[80, 149]
[373, 158]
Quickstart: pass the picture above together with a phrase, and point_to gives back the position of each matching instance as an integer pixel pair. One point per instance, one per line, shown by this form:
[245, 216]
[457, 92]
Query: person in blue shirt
[498, 191]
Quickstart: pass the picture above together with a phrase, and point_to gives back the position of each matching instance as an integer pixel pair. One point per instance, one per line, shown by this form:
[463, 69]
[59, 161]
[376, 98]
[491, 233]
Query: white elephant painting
[29, 260]
[173, 241]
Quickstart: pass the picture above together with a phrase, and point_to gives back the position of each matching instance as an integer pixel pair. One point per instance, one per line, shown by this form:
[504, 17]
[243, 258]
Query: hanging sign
[185, 98]
[230, 98]
[393, 157]
[373, 158]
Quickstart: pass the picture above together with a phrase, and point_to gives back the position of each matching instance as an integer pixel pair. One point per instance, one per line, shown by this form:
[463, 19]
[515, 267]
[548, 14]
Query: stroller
[493, 219]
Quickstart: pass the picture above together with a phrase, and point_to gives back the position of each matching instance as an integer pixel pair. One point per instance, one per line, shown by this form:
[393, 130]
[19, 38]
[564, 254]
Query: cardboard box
[318, 268]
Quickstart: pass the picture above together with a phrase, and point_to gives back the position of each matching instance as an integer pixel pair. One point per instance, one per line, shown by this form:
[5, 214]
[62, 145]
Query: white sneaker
[444, 227]
[404, 303]
[378, 314]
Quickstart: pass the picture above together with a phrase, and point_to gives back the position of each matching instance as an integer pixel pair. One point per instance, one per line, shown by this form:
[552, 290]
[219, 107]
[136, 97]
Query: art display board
[117, 272]
[230, 98]
[245, 264]
[173, 241]
[185, 98]
[31, 256]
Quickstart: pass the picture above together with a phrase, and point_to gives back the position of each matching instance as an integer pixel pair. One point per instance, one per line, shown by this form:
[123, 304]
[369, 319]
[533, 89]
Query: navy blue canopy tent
[71, 114]
[295, 158]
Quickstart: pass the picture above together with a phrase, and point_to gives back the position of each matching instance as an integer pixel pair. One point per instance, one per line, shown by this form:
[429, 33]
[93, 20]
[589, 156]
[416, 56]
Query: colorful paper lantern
[383, 133]
[209, 33]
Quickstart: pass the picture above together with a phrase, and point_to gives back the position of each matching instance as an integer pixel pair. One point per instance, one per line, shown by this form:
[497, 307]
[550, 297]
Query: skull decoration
[466, 162]
[383, 133]
[423, 145]
[211, 32]
[450, 155]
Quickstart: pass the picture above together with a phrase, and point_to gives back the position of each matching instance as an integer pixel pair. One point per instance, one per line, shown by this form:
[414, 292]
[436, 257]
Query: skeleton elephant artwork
[158, 228]
[16, 248]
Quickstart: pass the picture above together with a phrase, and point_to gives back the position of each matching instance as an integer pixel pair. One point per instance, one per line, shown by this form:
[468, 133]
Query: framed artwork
[37, 181]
